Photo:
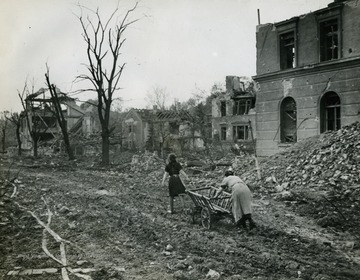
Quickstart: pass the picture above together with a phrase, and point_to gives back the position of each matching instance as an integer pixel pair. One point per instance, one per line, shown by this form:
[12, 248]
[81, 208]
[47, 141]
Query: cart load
[210, 208]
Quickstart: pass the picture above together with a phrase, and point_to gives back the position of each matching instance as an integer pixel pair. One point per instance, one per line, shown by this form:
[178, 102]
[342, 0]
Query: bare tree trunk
[18, 138]
[3, 137]
[105, 160]
[104, 42]
[60, 116]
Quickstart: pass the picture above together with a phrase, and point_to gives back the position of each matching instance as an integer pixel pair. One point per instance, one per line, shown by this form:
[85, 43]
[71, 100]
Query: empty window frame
[241, 132]
[130, 128]
[242, 106]
[223, 133]
[223, 108]
[287, 50]
[130, 144]
[329, 39]
[174, 127]
[330, 111]
[288, 116]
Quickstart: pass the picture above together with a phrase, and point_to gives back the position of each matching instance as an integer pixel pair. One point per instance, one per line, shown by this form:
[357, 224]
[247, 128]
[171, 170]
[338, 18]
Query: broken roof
[163, 115]
[46, 95]
[167, 115]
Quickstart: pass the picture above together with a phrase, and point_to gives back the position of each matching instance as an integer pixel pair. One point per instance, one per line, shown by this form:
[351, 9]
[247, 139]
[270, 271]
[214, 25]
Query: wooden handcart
[209, 208]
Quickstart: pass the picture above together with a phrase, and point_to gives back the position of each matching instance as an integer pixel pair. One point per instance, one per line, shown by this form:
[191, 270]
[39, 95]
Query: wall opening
[288, 120]
[241, 132]
[223, 133]
[330, 112]
[287, 50]
[242, 106]
[329, 39]
[223, 108]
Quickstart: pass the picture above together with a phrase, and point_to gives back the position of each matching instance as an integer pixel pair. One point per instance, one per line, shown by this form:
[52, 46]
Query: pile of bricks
[322, 172]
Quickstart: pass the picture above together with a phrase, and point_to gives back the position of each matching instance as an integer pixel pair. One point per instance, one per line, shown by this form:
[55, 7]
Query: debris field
[77, 220]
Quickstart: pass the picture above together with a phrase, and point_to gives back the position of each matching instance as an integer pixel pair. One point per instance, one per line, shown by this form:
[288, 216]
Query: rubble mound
[320, 176]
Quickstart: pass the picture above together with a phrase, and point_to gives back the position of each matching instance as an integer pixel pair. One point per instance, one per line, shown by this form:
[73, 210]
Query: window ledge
[285, 145]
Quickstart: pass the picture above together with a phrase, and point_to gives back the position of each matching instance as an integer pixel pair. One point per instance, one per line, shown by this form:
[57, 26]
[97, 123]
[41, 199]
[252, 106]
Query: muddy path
[119, 227]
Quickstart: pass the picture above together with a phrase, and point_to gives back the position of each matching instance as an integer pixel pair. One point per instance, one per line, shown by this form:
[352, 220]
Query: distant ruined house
[233, 113]
[41, 115]
[158, 130]
[308, 75]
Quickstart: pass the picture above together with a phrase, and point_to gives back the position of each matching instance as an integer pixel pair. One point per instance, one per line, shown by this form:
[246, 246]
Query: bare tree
[16, 120]
[56, 104]
[30, 110]
[3, 128]
[158, 96]
[104, 44]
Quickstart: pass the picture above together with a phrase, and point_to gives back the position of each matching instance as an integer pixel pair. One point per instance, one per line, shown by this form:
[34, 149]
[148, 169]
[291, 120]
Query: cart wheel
[206, 218]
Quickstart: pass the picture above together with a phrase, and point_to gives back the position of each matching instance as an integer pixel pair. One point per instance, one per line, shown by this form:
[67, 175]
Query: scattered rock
[169, 248]
[213, 274]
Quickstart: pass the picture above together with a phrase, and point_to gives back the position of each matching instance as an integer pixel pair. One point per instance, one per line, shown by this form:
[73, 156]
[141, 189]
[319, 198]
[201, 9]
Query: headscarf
[229, 172]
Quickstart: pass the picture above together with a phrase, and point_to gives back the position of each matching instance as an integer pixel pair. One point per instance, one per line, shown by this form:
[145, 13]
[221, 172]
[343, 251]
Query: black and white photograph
[180, 139]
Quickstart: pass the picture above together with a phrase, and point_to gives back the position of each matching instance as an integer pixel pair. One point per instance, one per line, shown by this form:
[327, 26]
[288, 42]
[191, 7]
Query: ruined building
[40, 110]
[308, 73]
[156, 130]
[233, 114]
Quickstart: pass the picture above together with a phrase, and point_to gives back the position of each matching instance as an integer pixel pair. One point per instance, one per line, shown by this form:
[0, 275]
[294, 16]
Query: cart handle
[199, 189]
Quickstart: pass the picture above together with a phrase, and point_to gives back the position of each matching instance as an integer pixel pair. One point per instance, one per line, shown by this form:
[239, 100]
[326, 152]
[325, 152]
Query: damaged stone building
[308, 75]
[43, 121]
[233, 114]
[156, 130]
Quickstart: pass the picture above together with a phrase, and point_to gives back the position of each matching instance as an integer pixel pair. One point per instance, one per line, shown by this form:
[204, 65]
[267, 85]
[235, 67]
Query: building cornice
[334, 65]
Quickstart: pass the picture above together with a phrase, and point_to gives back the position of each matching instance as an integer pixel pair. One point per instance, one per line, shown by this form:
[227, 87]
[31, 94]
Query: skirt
[241, 201]
[176, 186]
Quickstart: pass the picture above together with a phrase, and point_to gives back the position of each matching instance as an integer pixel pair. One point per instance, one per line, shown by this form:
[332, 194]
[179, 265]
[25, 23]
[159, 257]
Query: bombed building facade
[233, 113]
[159, 130]
[308, 75]
[40, 119]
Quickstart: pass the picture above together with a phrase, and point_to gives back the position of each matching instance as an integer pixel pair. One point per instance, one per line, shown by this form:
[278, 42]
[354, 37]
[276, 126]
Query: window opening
[223, 108]
[223, 133]
[287, 50]
[288, 133]
[241, 132]
[242, 106]
[330, 112]
[329, 40]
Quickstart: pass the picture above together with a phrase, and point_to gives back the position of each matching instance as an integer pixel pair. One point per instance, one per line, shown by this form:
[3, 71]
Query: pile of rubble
[320, 173]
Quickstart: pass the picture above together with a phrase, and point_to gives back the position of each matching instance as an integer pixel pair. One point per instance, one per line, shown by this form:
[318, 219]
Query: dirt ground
[114, 223]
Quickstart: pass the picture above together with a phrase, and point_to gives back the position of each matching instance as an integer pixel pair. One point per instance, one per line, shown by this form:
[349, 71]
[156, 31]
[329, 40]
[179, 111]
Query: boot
[251, 221]
[241, 222]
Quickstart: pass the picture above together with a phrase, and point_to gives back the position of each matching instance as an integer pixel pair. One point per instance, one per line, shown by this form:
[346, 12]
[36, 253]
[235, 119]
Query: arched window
[330, 116]
[288, 118]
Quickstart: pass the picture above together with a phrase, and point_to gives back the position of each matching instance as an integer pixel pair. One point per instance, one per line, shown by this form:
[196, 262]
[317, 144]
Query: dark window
[330, 112]
[287, 50]
[223, 108]
[241, 132]
[329, 40]
[242, 106]
[174, 127]
[223, 133]
[130, 128]
[43, 122]
[288, 121]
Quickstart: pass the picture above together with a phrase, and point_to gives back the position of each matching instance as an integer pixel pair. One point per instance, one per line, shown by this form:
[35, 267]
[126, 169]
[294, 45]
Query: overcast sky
[181, 45]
